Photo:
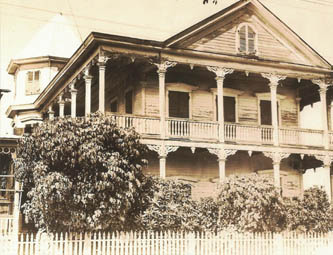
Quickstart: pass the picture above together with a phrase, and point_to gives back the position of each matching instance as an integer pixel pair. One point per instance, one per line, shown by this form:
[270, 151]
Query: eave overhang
[14, 64]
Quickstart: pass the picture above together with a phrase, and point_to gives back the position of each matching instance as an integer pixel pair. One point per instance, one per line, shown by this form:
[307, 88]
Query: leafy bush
[81, 174]
[310, 213]
[250, 203]
[169, 206]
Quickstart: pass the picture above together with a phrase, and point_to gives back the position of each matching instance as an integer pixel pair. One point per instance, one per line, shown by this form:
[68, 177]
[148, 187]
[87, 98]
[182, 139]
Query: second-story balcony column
[322, 92]
[273, 84]
[61, 103]
[87, 79]
[73, 99]
[162, 68]
[101, 94]
[220, 72]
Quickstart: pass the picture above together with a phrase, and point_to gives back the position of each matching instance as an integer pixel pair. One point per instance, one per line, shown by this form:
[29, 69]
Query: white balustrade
[247, 133]
[143, 125]
[192, 129]
[250, 134]
[304, 137]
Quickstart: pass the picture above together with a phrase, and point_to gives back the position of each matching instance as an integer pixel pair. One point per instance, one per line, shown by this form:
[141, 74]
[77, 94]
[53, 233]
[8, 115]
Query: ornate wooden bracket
[222, 154]
[276, 156]
[163, 66]
[162, 150]
[220, 72]
[273, 78]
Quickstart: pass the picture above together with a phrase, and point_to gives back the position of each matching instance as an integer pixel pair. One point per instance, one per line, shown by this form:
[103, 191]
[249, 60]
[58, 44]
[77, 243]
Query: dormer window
[32, 85]
[247, 40]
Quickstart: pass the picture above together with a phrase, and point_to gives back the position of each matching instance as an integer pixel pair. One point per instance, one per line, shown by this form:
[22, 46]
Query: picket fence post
[87, 244]
[278, 244]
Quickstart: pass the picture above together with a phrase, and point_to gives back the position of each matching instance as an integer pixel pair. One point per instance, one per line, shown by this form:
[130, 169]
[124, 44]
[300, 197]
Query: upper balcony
[189, 130]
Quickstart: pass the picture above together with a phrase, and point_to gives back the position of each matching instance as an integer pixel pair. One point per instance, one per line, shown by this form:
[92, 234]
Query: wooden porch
[233, 132]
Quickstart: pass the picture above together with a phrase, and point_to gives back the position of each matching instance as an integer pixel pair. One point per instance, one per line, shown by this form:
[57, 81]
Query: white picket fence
[167, 243]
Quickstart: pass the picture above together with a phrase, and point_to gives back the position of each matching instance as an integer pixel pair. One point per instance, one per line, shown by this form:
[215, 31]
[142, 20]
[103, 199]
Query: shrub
[310, 213]
[250, 203]
[81, 174]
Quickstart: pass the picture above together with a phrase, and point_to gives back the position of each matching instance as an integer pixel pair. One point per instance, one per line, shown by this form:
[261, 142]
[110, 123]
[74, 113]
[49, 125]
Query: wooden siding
[202, 105]
[223, 40]
[152, 102]
[248, 109]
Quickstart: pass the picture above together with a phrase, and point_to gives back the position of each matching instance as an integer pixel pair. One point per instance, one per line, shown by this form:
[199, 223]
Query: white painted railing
[143, 125]
[6, 224]
[192, 129]
[304, 137]
[247, 133]
[251, 134]
[169, 243]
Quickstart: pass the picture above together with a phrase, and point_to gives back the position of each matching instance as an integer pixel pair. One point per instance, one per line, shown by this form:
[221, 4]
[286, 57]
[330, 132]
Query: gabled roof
[200, 28]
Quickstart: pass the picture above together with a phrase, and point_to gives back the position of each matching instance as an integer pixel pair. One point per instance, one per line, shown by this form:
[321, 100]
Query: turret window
[32, 85]
[247, 40]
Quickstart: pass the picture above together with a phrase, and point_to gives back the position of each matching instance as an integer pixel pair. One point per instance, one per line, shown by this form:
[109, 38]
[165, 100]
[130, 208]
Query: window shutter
[251, 42]
[29, 83]
[242, 39]
[36, 85]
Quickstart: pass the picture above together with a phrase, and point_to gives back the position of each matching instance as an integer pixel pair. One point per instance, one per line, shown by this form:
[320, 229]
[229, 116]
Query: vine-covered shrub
[310, 213]
[81, 174]
[169, 207]
[250, 203]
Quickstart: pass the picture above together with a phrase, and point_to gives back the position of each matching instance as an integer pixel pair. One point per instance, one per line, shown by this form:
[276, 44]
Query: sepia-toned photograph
[179, 127]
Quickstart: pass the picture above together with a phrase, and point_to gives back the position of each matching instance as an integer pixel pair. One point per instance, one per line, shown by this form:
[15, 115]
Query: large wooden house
[222, 97]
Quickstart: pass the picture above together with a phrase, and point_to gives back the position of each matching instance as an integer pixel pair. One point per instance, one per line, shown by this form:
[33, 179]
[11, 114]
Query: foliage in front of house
[85, 174]
[81, 174]
[251, 203]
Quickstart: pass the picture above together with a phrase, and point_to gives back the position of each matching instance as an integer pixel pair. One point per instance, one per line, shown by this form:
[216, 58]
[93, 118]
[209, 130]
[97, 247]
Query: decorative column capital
[102, 60]
[323, 85]
[222, 154]
[163, 66]
[72, 85]
[326, 159]
[87, 77]
[273, 79]
[162, 150]
[220, 72]
[276, 156]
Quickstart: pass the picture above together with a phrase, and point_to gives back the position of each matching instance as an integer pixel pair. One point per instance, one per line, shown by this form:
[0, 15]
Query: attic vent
[246, 40]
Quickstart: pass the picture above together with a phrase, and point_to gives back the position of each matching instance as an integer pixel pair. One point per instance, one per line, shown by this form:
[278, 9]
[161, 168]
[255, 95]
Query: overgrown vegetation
[81, 174]
[85, 174]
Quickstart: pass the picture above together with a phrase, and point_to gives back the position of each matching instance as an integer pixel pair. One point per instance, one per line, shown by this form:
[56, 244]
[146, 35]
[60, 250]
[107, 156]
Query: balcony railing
[304, 137]
[237, 133]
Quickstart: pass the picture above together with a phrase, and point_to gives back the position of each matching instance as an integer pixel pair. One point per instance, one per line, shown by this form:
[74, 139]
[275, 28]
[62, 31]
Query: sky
[20, 20]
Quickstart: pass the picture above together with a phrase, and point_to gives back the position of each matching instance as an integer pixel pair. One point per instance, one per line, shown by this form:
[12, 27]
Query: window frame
[228, 92]
[247, 25]
[129, 90]
[266, 96]
[33, 83]
[179, 87]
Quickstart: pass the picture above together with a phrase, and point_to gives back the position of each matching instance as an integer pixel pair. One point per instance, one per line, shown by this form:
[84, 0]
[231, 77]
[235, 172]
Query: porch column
[51, 113]
[61, 103]
[73, 99]
[276, 157]
[101, 94]
[326, 175]
[273, 83]
[222, 155]
[163, 151]
[88, 79]
[220, 72]
[162, 68]
[322, 92]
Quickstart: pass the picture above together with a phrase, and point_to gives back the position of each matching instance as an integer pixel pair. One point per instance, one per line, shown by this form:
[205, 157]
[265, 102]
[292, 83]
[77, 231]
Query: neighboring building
[9, 192]
[222, 97]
